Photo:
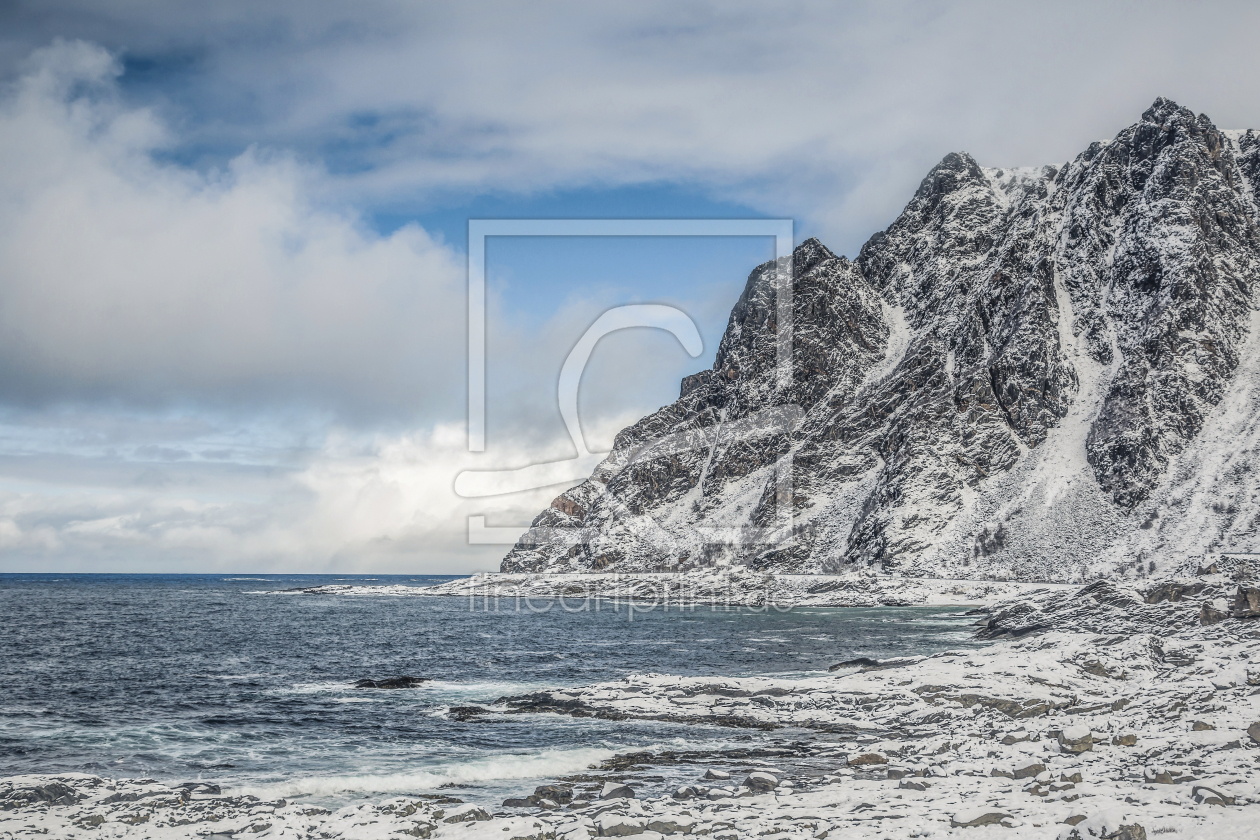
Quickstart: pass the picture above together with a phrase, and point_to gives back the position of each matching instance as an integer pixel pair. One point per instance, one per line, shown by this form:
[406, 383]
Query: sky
[233, 236]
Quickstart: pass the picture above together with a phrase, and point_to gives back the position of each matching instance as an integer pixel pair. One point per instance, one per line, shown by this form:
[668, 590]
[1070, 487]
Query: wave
[491, 768]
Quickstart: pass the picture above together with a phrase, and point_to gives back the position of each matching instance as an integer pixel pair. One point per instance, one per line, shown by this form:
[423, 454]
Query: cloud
[213, 362]
[830, 112]
[377, 504]
[129, 279]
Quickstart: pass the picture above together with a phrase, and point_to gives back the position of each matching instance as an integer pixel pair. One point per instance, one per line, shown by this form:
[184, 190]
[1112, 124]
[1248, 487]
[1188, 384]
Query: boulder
[977, 817]
[1205, 795]
[672, 825]
[1029, 770]
[717, 775]
[616, 790]
[909, 784]
[1201, 726]
[685, 792]
[1209, 614]
[1016, 737]
[1246, 603]
[560, 794]
[1253, 732]
[1076, 740]
[1128, 740]
[618, 826]
[761, 782]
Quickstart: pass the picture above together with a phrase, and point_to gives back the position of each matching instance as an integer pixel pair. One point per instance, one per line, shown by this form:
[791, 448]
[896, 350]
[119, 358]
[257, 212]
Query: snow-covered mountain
[1043, 374]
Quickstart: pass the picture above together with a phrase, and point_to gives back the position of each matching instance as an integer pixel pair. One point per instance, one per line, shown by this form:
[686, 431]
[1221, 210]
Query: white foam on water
[546, 764]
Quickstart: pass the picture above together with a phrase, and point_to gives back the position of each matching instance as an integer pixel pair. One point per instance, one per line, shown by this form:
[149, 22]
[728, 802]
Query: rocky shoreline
[730, 587]
[1112, 713]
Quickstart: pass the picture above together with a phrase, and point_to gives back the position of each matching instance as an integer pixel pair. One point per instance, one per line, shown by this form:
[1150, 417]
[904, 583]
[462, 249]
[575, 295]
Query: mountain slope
[1032, 374]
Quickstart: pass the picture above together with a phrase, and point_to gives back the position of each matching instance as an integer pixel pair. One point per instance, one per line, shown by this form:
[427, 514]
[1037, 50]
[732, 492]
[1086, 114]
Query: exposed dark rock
[930, 374]
[1246, 603]
[858, 662]
[392, 682]
[988, 818]
[466, 713]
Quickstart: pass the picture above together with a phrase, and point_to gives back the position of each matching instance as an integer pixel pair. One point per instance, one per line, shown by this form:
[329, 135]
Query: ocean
[245, 682]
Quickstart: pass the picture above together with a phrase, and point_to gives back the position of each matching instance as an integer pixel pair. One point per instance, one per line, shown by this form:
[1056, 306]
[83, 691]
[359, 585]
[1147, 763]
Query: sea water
[245, 682]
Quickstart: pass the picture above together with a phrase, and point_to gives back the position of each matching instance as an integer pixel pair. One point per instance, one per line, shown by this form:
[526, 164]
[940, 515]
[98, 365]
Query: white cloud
[129, 279]
[179, 340]
[831, 112]
[380, 504]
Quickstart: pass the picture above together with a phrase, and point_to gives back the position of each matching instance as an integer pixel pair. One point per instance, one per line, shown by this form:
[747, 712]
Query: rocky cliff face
[1042, 373]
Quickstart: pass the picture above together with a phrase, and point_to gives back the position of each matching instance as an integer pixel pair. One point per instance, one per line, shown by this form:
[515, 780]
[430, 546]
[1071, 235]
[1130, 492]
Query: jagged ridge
[1003, 384]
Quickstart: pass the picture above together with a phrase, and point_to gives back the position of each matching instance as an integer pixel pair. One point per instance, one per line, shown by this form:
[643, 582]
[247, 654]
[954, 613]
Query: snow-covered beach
[1106, 713]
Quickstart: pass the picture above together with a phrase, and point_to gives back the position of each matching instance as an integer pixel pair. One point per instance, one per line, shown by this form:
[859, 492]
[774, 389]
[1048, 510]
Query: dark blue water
[231, 680]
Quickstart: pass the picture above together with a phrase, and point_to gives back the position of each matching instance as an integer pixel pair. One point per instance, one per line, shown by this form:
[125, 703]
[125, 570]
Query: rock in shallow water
[616, 790]
[761, 782]
[392, 682]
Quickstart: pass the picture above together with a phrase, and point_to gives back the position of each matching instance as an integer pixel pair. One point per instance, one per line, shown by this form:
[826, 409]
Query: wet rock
[616, 790]
[201, 788]
[466, 713]
[53, 793]
[392, 682]
[761, 782]
[857, 662]
[562, 794]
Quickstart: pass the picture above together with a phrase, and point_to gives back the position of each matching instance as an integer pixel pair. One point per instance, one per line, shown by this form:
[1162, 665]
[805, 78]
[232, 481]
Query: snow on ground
[1076, 732]
[734, 586]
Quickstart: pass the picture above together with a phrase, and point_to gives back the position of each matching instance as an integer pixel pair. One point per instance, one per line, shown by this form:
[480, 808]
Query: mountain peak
[1020, 378]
